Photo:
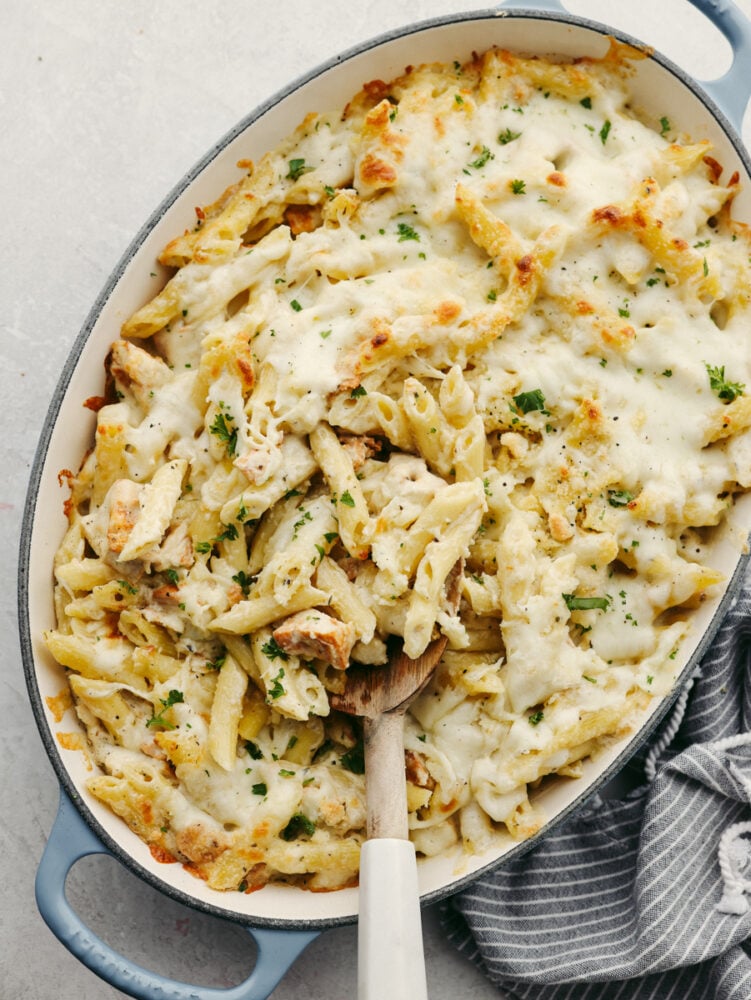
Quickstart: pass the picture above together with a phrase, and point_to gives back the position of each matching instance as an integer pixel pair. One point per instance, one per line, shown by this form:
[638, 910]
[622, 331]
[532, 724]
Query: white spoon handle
[391, 961]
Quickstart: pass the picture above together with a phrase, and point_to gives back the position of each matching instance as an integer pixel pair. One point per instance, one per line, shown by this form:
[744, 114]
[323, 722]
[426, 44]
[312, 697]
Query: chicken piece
[360, 449]
[417, 770]
[124, 508]
[316, 635]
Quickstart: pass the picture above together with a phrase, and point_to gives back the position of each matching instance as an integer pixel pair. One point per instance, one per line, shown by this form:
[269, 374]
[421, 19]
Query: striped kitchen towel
[647, 897]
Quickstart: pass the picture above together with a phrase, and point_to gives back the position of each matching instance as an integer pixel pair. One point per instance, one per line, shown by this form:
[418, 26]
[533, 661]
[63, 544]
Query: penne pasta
[482, 315]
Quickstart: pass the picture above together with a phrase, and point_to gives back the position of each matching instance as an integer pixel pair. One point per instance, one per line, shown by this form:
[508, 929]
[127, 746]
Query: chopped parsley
[260, 788]
[277, 689]
[574, 603]
[298, 825]
[359, 390]
[719, 384]
[254, 750]
[273, 650]
[536, 718]
[218, 662]
[222, 429]
[586, 102]
[518, 187]
[406, 232]
[528, 402]
[508, 136]
[243, 581]
[346, 499]
[297, 168]
[306, 516]
[605, 131]
[173, 698]
[619, 498]
[354, 760]
[482, 159]
[228, 535]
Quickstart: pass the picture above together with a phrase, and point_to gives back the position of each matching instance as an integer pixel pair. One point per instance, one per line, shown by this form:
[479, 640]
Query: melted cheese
[523, 312]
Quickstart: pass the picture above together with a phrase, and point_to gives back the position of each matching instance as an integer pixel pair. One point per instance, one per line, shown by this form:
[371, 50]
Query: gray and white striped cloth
[647, 897]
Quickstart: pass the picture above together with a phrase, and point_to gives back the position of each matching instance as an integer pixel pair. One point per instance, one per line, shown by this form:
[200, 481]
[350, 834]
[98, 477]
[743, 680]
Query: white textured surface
[103, 107]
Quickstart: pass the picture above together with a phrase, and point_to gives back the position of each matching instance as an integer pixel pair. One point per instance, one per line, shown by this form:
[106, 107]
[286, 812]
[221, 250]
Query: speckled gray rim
[27, 530]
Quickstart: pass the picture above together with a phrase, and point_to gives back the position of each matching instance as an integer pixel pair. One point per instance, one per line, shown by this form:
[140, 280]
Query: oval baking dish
[284, 919]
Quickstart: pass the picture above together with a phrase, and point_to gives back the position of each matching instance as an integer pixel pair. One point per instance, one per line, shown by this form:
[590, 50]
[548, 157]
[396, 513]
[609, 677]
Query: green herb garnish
[173, 698]
[298, 825]
[724, 389]
[297, 168]
[243, 581]
[277, 690]
[218, 662]
[574, 603]
[229, 534]
[354, 760]
[221, 428]
[508, 136]
[273, 650]
[482, 159]
[619, 498]
[528, 402]
[406, 232]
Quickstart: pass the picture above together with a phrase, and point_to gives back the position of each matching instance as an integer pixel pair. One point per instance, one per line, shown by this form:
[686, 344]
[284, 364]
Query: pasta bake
[486, 312]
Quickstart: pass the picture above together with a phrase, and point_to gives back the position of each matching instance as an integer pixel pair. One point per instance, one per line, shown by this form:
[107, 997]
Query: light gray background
[103, 107]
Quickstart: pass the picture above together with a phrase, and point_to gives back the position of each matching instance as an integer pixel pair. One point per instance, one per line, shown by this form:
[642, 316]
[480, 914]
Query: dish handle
[69, 841]
[731, 91]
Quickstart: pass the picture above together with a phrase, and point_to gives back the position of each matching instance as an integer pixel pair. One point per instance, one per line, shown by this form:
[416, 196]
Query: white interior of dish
[74, 425]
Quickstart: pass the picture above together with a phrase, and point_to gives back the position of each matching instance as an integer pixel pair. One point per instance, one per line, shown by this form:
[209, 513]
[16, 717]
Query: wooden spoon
[391, 963]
